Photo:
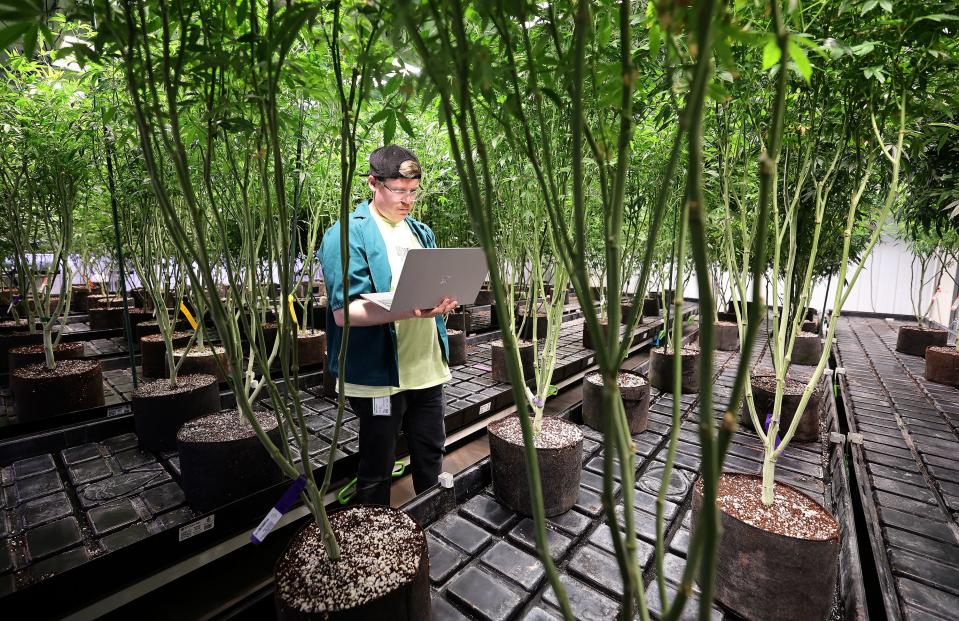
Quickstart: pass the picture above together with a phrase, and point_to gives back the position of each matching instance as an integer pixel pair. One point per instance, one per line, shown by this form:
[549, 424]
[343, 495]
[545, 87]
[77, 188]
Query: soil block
[500, 369]
[774, 563]
[159, 411]
[661, 369]
[807, 349]
[204, 361]
[764, 394]
[914, 340]
[383, 572]
[39, 392]
[457, 347]
[942, 365]
[153, 353]
[33, 354]
[559, 451]
[727, 335]
[222, 460]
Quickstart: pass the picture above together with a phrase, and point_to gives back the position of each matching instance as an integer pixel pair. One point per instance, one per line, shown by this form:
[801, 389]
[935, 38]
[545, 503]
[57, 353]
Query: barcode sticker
[266, 525]
[194, 529]
[589, 360]
[486, 407]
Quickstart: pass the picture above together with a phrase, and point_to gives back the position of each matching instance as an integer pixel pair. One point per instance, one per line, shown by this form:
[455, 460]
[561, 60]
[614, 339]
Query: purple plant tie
[769, 421]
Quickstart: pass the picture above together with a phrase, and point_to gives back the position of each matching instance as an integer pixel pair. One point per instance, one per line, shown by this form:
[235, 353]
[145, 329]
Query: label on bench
[119, 410]
[194, 529]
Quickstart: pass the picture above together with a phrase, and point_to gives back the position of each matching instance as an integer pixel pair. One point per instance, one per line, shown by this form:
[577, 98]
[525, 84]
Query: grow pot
[146, 328]
[764, 394]
[726, 335]
[15, 339]
[26, 355]
[942, 365]
[807, 349]
[13, 325]
[559, 452]
[728, 317]
[460, 320]
[153, 353]
[78, 297]
[813, 326]
[914, 340]
[222, 460]
[588, 340]
[500, 368]
[774, 563]
[159, 411]
[634, 391]
[457, 347]
[310, 346]
[651, 306]
[112, 318]
[667, 296]
[210, 360]
[109, 300]
[315, 313]
[661, 369]
[39, 392]
[484, 297]
[383, 571]
[538, 319]
[30, 304]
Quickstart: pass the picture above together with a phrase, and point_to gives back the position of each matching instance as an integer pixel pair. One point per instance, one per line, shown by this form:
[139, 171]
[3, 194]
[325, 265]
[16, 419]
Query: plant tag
[194, 529]
[282, 506]
[187, 314]
[486, 407]
[289, 300]
[381, 406]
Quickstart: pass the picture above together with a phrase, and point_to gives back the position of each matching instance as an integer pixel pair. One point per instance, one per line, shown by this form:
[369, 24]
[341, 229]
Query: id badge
[381, 406]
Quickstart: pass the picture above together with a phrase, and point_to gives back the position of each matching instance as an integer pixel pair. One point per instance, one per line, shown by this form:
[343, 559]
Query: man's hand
[444, 307]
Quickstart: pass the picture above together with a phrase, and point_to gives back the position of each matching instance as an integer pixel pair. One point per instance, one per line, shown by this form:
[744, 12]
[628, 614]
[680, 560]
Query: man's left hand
[444, 307]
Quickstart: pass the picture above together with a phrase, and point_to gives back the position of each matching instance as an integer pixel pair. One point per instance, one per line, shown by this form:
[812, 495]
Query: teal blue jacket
[371, 356]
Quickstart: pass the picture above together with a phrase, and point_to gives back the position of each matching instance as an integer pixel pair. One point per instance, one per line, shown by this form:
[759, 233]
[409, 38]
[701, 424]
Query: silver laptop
[431, 274]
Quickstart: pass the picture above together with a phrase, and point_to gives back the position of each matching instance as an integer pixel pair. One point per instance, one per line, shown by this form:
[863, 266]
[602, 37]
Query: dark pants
[419, 413]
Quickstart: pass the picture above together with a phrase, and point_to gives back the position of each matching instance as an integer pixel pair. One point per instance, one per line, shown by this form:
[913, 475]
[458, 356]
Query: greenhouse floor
[904, 461]
[896, 500]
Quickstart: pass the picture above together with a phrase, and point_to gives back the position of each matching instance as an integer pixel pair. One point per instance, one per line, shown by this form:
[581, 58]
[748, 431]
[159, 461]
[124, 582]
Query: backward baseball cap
[394, 162]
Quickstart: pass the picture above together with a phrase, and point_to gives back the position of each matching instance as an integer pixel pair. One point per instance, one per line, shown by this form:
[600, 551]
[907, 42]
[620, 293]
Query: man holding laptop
[397, 355]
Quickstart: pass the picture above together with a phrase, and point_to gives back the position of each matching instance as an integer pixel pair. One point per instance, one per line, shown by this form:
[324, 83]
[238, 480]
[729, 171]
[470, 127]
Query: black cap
[387, 162]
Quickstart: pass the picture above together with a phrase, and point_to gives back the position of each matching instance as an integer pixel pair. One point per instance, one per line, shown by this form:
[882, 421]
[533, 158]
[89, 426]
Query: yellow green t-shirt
[418, 346]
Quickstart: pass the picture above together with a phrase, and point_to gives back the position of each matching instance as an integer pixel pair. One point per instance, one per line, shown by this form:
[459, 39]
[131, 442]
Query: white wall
[884, 285]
